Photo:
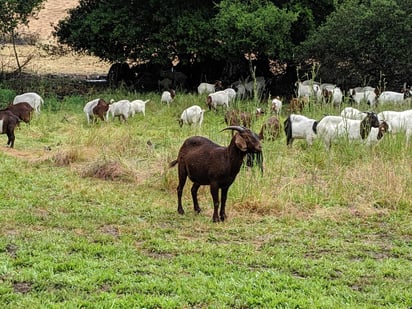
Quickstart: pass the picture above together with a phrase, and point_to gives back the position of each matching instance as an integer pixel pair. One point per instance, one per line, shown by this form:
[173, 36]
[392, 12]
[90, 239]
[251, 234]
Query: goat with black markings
[206, 163]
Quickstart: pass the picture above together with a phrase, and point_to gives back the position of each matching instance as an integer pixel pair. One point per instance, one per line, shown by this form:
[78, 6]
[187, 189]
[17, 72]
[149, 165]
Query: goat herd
[206, 163]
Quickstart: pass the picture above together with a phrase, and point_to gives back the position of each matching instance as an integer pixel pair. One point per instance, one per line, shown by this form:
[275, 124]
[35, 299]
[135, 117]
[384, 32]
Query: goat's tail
[315, 127]
[173, 163]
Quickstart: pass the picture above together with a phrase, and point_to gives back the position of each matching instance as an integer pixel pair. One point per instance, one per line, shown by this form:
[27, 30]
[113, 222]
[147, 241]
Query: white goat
[366, 94]
[96, 108]
[217, 98]
[231, 93]
[138, 106]
[398, 121]
[260, 86]
[299, 127]
[209, 88]
[376, 134]
[168, 96]
[34, 99]
[332, 94]
[352, 113]
[394, 97]
[276, 106]
[192, 115]
[119, 109]
[309, 89]
[331, 128]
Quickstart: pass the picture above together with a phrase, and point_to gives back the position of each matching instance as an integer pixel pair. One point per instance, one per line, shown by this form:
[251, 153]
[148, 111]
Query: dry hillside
[41, 63]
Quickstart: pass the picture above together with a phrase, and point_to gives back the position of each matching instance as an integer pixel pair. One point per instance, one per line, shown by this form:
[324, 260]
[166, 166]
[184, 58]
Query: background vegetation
[88, 218]
[356, 42]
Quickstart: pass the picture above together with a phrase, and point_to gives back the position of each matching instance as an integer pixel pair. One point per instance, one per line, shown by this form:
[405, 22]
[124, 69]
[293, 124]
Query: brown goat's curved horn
[236, 128]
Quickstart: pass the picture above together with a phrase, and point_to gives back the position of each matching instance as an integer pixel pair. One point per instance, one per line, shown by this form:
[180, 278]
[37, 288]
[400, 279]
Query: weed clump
[108, 170]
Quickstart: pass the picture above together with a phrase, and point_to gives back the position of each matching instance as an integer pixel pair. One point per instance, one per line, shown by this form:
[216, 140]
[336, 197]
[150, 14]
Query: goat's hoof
[181, 211]
[198, 210]
[216, 219]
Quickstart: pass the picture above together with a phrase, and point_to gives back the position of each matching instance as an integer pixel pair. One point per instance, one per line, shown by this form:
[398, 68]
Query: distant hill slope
[40, 30]
[53, 11]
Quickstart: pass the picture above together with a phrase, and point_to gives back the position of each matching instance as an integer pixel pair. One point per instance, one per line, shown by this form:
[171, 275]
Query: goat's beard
[251, 157]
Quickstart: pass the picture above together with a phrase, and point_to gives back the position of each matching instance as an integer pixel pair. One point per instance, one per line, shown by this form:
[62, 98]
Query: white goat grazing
[376, 134]
[332, 94]
[34, 99]
[192, 115]
[217, 98]
[276, 106]
[168, 96]
[299, 127]
[231, 93]
[394, 97]
[96, 108]
[352, 113]
[366, 94]
[209, 88]
[309, 89]
[260, 86]
[138, 106]
[331, 128]
[398, 121]
[119, 109]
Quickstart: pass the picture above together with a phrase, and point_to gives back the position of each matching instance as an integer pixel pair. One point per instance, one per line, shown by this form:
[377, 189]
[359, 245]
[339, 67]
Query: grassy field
[88, 218]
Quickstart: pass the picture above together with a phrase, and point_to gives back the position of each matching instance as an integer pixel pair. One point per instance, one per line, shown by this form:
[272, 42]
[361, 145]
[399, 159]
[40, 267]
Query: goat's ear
[240, 142]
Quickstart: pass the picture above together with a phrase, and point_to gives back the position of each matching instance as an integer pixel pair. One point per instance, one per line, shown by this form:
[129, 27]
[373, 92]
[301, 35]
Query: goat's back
[202, 160]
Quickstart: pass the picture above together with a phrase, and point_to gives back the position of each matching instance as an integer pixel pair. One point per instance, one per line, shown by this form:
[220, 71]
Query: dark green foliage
[158, 30]
[363, 41]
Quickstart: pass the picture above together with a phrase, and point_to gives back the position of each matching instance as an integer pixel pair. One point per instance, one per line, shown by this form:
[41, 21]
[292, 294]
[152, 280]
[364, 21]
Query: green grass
[93, 221]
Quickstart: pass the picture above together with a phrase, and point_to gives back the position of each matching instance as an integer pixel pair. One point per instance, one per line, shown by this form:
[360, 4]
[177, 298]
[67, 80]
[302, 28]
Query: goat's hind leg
[182, 181]
[194, 190]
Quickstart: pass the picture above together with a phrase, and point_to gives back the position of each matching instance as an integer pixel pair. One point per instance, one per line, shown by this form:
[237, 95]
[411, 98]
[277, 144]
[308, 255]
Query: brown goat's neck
[235, 157]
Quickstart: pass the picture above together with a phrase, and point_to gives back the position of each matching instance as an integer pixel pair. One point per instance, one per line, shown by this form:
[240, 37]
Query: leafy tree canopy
[158, 29]
[253, 27]
[364, 42]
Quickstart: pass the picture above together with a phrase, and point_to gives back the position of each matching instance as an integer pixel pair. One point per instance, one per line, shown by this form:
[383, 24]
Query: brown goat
[296, 104]
[271, 128]
[101, 109]
[236, 118]
[22, 110]
[8, 122]
[206, 163]
[96, 109]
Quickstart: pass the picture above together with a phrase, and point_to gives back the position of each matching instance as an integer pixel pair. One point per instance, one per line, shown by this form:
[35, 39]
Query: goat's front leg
[223, 206]
[214, 190]
[194, 190]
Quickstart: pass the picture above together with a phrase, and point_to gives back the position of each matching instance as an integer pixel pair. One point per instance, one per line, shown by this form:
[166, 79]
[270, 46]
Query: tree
[205, 35]
[364, 42]
[145, 30]
[14, 13]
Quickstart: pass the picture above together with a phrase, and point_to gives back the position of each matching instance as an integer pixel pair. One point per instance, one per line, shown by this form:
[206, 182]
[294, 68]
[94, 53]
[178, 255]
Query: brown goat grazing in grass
[96, 109]
[271, 128]
[8, 122]
[206, 163]
[296, 105]
[237, 118]
[22, 110]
